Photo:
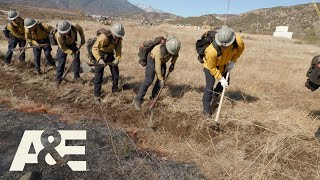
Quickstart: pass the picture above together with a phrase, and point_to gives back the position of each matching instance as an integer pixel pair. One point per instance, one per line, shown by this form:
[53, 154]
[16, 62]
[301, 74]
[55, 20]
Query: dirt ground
[110, 154]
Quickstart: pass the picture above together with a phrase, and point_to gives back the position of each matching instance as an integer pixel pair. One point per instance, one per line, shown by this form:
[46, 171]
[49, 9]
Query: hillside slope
[103, 7]
[299, 18]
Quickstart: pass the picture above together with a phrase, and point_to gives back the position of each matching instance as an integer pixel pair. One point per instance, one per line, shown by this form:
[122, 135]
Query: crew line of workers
[107, 51]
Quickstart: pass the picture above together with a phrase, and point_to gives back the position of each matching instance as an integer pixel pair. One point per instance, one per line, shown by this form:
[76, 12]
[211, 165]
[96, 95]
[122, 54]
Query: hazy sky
[200, 7]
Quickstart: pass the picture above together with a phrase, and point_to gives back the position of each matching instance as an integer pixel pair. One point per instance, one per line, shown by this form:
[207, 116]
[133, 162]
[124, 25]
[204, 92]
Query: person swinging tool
[107, 51]
[219, 58]
[37, 34]
[156, 65]
[67, 45]
[14, 32]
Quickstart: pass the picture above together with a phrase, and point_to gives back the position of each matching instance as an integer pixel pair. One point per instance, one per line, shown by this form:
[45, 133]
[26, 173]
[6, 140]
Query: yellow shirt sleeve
[156, 55]
[14, 32]
[80, 31]
[174, 59]
[240, 48]
[211, 58]
[118, 50]
[98, 46]
[62, 45]
[47, 28]
[29, 38]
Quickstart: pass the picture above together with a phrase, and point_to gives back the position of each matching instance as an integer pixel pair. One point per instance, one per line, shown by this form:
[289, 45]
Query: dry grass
[268, 120]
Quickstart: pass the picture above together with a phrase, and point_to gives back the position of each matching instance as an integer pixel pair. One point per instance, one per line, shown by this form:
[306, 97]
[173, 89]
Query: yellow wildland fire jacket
[17, 29]
[41, 32]
[217, 65]
[103, 45]
[69, 38]
[160, 58]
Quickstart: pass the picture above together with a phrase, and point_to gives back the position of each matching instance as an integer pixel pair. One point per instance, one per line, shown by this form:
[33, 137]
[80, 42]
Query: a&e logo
[50, 146]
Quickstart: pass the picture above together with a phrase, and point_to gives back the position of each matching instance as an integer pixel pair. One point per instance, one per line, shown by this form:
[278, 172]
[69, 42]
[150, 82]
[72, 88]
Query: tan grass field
[268, 119]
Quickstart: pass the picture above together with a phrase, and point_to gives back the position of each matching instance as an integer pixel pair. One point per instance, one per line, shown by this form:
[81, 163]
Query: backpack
[313, 74]
[206, 39]
[52, 37]
[6, 32]
[42, 28]
[146, 48]
[90, 42]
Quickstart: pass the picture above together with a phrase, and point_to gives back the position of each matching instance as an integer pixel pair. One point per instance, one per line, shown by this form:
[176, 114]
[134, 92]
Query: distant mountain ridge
[148, 8]
[208, 19]
[102, 7]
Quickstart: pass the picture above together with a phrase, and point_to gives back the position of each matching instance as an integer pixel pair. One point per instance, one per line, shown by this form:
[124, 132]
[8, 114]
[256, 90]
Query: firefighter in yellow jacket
[216, 66]
[14, 32]
[107, 51]
[38, 34]
[67, 45]
[156, 67]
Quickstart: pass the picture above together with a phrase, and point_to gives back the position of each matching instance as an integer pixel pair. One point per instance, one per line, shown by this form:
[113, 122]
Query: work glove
[101, 61]
[231, 65]
[36, 45]
[171, 68]
[223, 82]
[115, 62]
[161, 83]
[73, 55]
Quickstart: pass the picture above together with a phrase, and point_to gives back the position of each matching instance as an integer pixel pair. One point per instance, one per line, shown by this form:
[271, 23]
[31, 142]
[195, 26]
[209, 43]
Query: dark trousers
[61, 57]
[98, 78]
[149, 77]
[13, 41]
[209, 92]
[47, 53]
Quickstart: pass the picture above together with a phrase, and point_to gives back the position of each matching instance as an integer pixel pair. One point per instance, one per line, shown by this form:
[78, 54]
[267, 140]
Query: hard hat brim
[171, 52]
[224, 44]
[64, 32]
[116, 34]
[35, 22]
[13, 18]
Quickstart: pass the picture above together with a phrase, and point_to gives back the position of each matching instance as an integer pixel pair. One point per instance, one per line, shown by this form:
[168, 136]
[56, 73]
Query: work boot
[317, 134]
[207, 115]
[78, 80]
[6, 65]
[50, 68]
[115, 90]
[97, 100]
[58, 82]
[37, 72]
[137, 104]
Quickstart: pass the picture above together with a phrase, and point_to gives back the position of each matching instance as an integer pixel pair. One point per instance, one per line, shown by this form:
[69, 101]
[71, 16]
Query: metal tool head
[215, 126]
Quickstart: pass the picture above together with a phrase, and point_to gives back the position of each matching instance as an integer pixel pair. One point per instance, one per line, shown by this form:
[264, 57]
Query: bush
[311, 37]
